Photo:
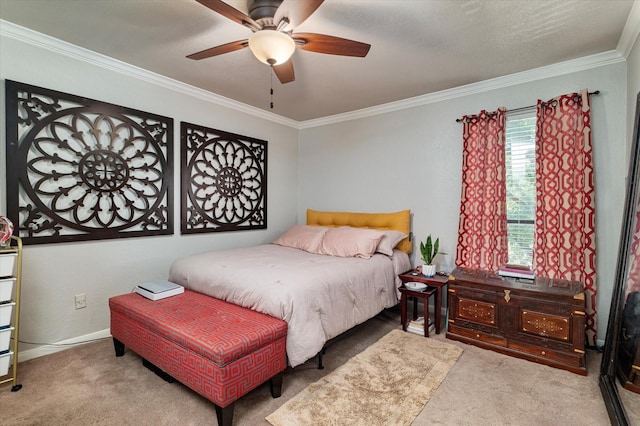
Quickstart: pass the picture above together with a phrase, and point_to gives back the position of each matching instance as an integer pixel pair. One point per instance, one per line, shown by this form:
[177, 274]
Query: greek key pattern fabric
[225, 365]
[482, 232]
[212, 328]
[564, 244]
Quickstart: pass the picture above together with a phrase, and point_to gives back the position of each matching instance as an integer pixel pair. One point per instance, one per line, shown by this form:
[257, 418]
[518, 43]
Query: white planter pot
[6, 288]
[428, 270]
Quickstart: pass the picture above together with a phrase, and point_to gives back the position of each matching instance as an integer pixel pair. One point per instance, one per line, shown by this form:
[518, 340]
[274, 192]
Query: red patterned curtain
[482, 232]
[565, 244]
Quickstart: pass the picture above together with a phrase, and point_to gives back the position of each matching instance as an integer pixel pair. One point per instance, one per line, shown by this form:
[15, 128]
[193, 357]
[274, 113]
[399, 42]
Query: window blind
[521, 194]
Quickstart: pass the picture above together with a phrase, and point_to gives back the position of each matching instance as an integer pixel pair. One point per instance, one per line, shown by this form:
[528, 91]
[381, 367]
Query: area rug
[388, 383]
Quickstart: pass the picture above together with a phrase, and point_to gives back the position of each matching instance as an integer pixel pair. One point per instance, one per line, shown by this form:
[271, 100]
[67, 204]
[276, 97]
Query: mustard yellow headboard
[398, 221]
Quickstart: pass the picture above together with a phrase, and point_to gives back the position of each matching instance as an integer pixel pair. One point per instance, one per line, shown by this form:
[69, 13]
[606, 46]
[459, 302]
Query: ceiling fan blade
[295, 11]
[285, 72]
[230, 12]
[219, 50]
[331, 45]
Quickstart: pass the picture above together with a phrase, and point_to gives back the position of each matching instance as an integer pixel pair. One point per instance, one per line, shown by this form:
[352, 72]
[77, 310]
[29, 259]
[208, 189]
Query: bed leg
[118, 346]
[275, 385]
[224, 415]
[320, 366]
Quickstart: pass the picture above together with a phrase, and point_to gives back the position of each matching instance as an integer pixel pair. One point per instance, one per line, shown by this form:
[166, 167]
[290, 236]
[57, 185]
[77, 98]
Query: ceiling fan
[273, 41]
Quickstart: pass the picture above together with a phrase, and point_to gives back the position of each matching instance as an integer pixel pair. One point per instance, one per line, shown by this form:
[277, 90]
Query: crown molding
[34, 38]
[630, 31]
[561, 68]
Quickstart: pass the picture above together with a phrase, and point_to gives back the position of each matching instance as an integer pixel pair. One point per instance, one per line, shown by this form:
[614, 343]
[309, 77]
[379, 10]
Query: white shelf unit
[8, 255]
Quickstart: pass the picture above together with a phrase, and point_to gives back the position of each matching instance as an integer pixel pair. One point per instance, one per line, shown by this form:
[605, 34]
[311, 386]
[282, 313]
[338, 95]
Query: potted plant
[429, 250]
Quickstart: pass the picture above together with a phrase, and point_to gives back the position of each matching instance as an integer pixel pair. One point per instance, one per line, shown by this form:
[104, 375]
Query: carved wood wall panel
[224, 181]
[80, 169]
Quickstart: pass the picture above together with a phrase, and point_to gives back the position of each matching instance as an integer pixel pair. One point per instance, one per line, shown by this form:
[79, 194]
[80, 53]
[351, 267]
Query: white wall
[412, 159]
[54, 273]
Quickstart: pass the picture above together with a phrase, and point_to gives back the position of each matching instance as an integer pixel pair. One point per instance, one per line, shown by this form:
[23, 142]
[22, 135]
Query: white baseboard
[61, 346]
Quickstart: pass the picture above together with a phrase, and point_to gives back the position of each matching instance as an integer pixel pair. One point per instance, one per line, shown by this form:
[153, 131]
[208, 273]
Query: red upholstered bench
[220, 350]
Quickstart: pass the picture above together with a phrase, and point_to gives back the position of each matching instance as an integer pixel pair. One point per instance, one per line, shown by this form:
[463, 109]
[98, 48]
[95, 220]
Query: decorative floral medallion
[83, 169]
[224, 178]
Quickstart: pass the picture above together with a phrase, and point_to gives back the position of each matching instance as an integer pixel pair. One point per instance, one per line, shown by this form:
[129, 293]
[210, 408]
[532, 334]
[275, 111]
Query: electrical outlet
[81, 301]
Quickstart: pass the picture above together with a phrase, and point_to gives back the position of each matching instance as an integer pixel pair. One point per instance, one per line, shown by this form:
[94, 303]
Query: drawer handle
[544, 353]
[507, 297]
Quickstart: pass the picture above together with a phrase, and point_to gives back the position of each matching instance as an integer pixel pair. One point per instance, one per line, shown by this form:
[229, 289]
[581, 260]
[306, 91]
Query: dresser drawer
[573, 358]
[477, 335]
[545, 325]
[477, 311]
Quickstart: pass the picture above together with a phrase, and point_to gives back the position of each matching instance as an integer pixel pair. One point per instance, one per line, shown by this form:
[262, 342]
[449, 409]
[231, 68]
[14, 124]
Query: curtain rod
[459, 120]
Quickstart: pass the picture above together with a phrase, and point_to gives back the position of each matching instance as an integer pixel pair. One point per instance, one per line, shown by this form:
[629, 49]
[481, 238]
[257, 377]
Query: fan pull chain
[271, 91]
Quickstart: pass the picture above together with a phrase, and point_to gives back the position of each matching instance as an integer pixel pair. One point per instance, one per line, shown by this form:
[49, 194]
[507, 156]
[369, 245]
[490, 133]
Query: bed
[323, 278]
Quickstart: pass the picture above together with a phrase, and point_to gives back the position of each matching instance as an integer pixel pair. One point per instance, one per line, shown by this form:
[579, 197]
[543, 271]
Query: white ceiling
[418, 46]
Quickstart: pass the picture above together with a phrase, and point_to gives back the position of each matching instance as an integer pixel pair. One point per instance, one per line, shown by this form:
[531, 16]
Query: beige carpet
[88, 385]
[388, 383]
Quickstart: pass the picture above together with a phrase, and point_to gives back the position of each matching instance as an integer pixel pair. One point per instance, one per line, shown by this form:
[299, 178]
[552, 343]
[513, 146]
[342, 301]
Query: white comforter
[318, 296]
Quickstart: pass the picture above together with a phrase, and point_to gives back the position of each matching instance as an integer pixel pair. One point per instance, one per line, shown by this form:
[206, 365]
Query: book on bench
[161, 289]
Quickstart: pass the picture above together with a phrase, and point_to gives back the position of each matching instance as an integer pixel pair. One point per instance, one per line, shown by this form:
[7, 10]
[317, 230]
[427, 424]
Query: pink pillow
[389, 241]
[350, 242]
[303, 237]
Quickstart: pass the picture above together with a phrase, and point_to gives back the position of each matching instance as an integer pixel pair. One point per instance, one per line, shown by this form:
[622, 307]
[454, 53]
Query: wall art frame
[79, 169]
[224, 181]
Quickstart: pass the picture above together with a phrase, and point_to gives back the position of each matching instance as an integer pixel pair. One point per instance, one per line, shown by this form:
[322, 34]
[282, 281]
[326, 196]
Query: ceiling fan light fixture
[271, 47]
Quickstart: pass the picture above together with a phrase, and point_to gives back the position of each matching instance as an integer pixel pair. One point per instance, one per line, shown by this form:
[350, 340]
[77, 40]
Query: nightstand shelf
[416, 295]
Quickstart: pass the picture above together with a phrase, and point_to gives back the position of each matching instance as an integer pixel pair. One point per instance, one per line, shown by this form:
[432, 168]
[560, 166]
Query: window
[521, 185]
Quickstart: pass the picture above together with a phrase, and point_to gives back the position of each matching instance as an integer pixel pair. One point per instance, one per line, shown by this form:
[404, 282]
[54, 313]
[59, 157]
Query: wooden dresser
[541, 320]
